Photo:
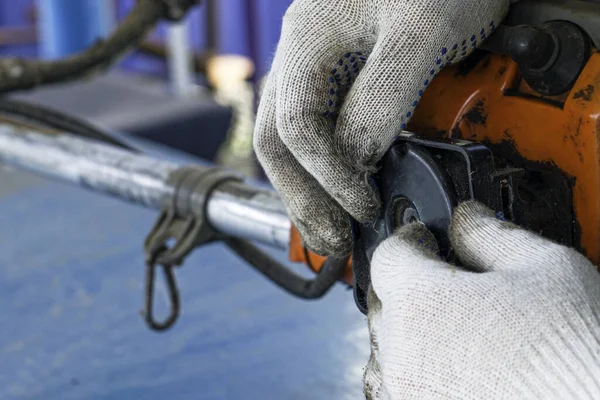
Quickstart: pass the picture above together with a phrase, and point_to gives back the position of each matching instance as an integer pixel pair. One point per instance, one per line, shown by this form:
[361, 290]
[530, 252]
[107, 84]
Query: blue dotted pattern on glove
[349, 66]
[341, 79]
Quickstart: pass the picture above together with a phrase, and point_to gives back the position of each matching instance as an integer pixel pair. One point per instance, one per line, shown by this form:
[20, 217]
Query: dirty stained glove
[521, 323]
[346, 78]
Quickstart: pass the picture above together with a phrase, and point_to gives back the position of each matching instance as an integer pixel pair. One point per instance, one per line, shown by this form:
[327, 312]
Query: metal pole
[179, 57]
[234, 209]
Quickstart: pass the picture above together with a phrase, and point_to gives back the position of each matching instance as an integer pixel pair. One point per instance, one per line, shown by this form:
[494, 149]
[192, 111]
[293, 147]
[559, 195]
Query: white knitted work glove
[345, 80]
[521, 323]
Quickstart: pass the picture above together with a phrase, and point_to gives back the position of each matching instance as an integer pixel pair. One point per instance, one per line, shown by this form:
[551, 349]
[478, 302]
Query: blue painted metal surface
[269, 15]
[17, 13]
[150, 65]
[67, 26]
[235, 24]
[234, 21]
[233, 27]
[71, 273]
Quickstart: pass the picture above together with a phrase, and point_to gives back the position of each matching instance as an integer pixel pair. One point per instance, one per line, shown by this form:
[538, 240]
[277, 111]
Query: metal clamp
[183, 219]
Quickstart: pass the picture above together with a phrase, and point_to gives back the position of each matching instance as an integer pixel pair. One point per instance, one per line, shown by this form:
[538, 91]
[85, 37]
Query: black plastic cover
[432, 176]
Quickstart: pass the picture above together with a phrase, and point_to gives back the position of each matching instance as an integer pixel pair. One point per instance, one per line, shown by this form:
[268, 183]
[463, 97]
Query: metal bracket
[183, 219]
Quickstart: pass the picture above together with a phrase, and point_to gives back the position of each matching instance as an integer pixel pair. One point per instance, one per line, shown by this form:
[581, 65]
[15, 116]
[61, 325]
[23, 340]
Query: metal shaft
[179, 59]
[235, 209]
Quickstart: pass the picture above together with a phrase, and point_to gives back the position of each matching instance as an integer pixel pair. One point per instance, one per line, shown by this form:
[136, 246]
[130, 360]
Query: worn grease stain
[575, 140]
[456, 132]
[585, 94]
[486, 63]
[558, 190]
[477, 115]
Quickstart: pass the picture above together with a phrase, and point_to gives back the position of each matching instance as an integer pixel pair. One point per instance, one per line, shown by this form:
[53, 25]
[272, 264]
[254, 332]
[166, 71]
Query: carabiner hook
[148, 313]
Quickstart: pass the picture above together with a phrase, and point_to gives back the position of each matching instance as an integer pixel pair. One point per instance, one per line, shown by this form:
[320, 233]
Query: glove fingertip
[406, 248]
[417, 236]
[359, 196]
[484, 242]
[472, 219]
[472, 210]
[469, 232]
[332, 238]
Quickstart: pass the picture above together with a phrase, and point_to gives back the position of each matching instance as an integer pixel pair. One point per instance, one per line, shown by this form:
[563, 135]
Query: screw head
[404, 212]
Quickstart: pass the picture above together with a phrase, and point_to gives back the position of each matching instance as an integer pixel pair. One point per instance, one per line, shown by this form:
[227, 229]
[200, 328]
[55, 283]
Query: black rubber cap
[530, 47]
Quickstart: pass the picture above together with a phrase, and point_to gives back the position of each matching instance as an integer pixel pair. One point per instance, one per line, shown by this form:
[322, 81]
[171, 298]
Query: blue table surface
[71, 281]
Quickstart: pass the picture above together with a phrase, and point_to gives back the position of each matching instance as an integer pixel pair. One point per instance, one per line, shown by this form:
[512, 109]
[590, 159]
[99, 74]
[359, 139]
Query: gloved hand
[521, 323]
[345, 80]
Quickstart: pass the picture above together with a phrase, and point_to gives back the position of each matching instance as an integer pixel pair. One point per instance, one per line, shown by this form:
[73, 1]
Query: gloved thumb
[485, 243]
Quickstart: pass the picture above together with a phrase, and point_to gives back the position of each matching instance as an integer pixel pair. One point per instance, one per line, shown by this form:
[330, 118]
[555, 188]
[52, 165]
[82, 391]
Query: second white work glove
[346, 79]
[521, 320]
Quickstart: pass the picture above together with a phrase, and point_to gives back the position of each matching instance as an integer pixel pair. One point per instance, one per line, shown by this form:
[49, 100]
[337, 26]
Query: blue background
[247, 27]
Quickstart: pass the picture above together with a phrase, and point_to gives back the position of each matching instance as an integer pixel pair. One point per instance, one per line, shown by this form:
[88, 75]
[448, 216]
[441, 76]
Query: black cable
[59, 121]
[19, 73]
[308, 289]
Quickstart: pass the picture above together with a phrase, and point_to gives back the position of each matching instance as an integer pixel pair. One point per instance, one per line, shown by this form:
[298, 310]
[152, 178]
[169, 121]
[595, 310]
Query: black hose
[56, 120]
[19, 73]
[308, 289]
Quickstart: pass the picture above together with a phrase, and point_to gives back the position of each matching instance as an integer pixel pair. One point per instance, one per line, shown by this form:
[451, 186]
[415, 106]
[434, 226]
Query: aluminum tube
[242, 211]
[234, 209]
[87, 163]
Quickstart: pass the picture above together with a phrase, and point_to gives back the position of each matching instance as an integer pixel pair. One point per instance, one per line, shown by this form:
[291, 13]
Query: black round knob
[530, 47]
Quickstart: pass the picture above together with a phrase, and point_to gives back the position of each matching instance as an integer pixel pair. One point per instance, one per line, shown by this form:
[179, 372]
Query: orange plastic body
[562, 130]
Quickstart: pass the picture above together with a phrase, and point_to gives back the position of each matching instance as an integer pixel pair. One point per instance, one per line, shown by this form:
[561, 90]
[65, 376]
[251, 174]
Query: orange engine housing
[563, 131]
